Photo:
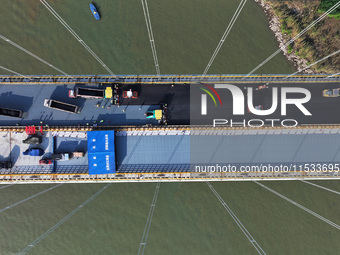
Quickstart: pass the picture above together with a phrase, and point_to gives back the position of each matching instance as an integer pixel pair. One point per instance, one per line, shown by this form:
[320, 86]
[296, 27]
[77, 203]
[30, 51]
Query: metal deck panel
[71, 144]
[30, 98]
[152, 150]
[265, 148]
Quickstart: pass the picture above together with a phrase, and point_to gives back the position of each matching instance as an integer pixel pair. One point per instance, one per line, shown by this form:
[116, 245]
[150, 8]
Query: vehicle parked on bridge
[130, 94]
[10, 112]
[87, 93]
[265, 86]
[6, 164]
[331, 92]
[54, 104]
[45, 162]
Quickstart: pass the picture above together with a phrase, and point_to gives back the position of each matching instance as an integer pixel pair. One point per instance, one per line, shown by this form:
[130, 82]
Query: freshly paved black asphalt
[324, 110]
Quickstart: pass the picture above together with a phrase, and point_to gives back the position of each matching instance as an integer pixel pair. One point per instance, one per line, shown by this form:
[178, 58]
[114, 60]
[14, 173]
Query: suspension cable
[150, 33]
[31, 54]
[332, 75]
[334, 53]
[226, 33]
[9, 70]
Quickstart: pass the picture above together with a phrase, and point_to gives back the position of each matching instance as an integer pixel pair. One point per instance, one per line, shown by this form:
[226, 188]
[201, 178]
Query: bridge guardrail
[167, 79]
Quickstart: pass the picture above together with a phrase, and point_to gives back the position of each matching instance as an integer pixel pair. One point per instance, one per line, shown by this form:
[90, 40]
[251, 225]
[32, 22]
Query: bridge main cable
[150, 33]
[9, 70]
[225, 35]
[330, 55]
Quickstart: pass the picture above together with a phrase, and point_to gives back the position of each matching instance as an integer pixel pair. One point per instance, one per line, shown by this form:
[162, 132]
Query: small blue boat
[94, 12]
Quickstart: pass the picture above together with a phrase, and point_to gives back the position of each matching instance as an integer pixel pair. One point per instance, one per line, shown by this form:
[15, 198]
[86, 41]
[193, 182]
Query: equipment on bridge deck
[159, 114]
[86, 93]
[101, 152]
[45, 162]
[34, 152]
[115, 95]
[130, 94]
[6, 164]
[94, 12]
[108, 92]
[67, 156]
[32, 130]
[265, 86]
[331, 92]
[54, 104]
[10, 112]
[33, 140]
[155, 114]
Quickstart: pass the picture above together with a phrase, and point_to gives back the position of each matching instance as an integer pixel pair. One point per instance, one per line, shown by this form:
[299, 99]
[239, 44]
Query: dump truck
[54, 104]
[67, 156]
[90, 93]
[10, 112]
[87, 93]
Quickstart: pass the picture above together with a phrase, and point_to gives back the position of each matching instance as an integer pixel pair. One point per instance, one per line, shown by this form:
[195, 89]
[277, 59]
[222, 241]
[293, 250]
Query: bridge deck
[181, 111]
[30, 99]
[181, 152]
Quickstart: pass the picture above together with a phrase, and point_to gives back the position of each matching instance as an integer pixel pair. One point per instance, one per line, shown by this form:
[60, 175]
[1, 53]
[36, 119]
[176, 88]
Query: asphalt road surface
[324, 110]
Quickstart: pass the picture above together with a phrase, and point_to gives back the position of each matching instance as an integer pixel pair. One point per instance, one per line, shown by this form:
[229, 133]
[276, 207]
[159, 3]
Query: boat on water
[94, 12]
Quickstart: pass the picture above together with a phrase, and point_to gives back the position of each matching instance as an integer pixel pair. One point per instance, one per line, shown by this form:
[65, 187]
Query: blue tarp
[34, 152]
[101, 152]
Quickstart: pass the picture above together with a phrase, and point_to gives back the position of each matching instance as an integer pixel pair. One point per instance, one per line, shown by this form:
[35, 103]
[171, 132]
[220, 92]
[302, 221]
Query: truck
[67, 156]
[10, 112]
[331, 92]
[54, 104]
[86, 93]
[5, 164]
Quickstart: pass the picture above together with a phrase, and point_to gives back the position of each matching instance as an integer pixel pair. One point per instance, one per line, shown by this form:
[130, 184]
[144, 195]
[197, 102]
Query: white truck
[54, 104]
